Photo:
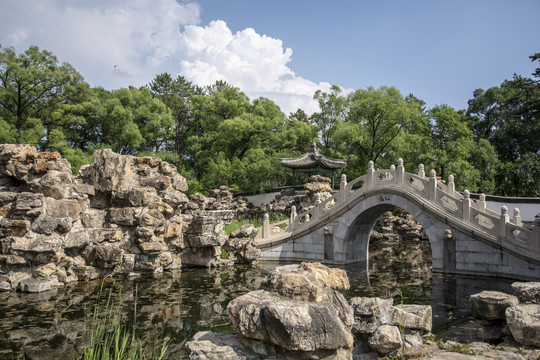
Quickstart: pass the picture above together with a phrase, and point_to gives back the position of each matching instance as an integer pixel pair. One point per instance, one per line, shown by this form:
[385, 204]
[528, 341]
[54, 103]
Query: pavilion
[313, 162]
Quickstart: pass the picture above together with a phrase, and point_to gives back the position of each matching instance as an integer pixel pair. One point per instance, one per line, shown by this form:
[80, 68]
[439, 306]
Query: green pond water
[56, 324]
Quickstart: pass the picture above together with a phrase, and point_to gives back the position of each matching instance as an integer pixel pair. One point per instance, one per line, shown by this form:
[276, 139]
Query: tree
[33, 87]
[508, 116]
[299, 115]
[375, 118]
[453, 141]
[133, 121]
[333, 107]
[177, 95]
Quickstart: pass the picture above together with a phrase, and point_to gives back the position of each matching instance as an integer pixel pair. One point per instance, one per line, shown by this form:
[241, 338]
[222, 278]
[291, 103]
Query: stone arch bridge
[465, 236]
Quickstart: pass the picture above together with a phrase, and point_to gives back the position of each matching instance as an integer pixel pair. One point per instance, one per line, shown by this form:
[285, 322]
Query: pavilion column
[293, 181]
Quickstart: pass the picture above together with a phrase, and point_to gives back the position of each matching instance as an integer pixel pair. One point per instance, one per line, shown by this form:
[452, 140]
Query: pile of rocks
[297, 313]
[502, 315]
[241, 247]
[303, 202]
[399, 249]
[120, 215]
[384, 328]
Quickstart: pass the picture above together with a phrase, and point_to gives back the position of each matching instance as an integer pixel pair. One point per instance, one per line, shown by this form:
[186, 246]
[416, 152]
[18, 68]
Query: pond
[57, 323]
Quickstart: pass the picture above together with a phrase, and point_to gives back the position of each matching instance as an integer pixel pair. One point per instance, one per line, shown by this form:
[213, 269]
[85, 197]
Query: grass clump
[112, 338]
[257, 222]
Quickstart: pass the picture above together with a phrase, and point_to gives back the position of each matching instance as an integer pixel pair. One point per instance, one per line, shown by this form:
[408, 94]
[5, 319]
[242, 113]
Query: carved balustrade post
[370, 173]
[535, 243]
[504, 221]
[317, 209]
[482, 203]
[343, 189]
[266, 226]
[432, 191]
[292, 219]
[466, 205]
[400, 172]
[451, 185]
[517, 218]
[421, 171]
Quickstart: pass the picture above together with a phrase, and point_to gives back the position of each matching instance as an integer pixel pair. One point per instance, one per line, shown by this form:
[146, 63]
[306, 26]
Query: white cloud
[255, 63]
[146, 37]
[140, 36]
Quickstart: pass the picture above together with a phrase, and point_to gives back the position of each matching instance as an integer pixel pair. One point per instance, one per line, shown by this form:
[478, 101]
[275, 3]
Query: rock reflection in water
[56, 324]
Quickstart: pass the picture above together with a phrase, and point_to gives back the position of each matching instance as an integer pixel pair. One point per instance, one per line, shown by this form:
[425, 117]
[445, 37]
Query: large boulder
[385, 339]
[112, 171]
[491, 305]
[417, 317]
[527, 292]
[297, 309]
[524, 323]
[290, 324]
[306, 282]
[370, 313]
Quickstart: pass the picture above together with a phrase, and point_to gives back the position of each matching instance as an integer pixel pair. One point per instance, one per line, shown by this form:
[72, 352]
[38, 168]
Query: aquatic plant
[113, 338]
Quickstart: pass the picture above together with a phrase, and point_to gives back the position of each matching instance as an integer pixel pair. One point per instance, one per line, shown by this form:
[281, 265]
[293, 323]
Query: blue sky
[441, 51]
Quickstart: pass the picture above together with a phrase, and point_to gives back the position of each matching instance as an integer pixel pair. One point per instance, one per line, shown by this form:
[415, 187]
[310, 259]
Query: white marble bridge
[465, 236]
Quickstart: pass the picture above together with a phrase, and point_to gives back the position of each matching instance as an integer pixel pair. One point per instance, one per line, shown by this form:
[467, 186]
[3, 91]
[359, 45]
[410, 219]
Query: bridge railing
[461, 206]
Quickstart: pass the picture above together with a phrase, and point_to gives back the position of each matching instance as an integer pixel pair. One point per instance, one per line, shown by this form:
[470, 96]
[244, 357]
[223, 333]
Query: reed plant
[113, 339]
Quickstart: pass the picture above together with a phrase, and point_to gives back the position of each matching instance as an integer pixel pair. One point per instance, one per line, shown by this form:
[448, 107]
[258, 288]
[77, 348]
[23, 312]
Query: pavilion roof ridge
[313, 159]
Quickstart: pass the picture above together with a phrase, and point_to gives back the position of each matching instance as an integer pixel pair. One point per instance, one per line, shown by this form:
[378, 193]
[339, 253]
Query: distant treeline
[217, 136]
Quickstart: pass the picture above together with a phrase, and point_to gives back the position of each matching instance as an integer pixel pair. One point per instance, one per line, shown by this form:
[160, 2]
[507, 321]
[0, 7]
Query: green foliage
[235, 225]
[33, 86]
[508, 118]
[332, 106]
[376, 122]
[217, 136]
[256, 221]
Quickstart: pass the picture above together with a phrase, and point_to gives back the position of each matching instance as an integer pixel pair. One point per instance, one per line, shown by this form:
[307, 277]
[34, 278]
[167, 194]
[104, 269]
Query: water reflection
[56, 323]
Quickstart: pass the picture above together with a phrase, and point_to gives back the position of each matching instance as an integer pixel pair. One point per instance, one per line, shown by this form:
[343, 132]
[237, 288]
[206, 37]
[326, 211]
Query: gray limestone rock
[370, 313]
[207, 345]
[524, 323]
[290, 324]
[76, 240]
[62, 208]
[307, 281]
[297, 309]
[245, 231]
[385, 339]
[35, 285]
[527, 292]
[411, 316]
[491, 305]
[37, 244]
[111, 171]
[107, 257]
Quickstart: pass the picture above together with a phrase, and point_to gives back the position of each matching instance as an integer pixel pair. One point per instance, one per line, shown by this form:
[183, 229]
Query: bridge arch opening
[399, 249]
[392, 242]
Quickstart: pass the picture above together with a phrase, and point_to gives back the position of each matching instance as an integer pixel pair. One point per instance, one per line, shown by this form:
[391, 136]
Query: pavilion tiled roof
[312, 160]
